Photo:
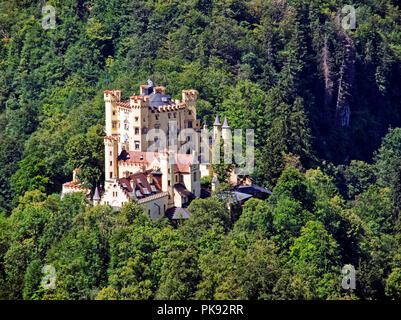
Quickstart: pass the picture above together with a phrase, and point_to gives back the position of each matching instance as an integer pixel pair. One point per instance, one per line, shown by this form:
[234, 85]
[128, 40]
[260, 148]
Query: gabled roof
[183, 191]
[182, 164]
[233, 196]
[140, 187]
[157, 99]
[252, 189]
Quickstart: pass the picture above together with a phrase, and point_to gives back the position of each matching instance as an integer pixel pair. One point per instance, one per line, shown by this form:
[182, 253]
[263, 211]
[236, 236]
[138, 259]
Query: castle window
[189, 112]
[126, 125]
[111, 174]
[175, 115]
[168, 183]
[169, 115]
[189, 124]
[136, 119]
[111, 153]
[194, 176]
[114, 124]
[114, 113]
[111, 163]
[169, 170]
[136, 130]
[136, 145]
[157, 117]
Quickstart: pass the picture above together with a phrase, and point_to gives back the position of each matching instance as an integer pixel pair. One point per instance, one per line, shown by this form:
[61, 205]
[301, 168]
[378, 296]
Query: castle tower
[167, 170]
[216, 140]
[226, 135]
[111, 98]
[110, 156]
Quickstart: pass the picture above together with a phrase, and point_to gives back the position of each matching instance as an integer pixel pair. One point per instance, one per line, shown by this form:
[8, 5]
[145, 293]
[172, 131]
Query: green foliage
[87, 154]
[393, 285]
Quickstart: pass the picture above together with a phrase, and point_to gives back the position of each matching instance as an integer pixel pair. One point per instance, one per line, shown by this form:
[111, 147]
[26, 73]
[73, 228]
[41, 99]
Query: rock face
[345, 80]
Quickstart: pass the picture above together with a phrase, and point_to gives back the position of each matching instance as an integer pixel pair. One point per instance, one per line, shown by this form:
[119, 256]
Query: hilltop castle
[156, 153]
[164, 176]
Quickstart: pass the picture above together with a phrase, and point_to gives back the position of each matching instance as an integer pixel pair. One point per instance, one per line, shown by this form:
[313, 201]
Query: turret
[217, 128]
[215, 182]
[167, 170]
[226, 135]
[110, 99]
[110, 156]
[96, 197]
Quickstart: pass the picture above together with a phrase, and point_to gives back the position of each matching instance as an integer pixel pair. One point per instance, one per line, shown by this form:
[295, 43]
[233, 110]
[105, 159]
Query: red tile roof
[182, 161]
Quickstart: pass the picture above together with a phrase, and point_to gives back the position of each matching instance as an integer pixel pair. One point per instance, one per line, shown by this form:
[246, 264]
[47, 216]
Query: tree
[393, 284]
[256, 216]
[315, 256]
[87, 154]
[180, 276]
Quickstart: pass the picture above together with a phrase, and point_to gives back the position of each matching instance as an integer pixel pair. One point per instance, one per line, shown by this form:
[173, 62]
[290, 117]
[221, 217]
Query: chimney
[75, 175]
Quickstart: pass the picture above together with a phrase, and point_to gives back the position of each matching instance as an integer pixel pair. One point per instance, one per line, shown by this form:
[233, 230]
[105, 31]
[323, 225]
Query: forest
[325, 106]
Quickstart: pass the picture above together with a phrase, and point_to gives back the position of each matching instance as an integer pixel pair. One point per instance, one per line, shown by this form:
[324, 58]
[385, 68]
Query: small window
[136, 119]
[111, 163]
[114, 124]
[168, 183]
[136, 145]
[114, 113]
[189, 112]
[169, 115]
[136, 130]
[111, 153]
[157, 117]
[175, 115]
[189, 124]
[111, 174]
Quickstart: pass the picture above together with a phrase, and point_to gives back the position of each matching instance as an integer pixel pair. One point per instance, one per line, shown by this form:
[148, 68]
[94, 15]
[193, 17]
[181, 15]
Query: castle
[155, 152]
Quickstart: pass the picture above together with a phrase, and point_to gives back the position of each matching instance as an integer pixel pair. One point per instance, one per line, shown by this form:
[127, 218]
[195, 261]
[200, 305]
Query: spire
[97, 195]
[225, 124]
[217, 121]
